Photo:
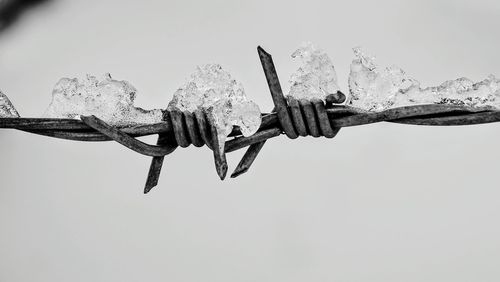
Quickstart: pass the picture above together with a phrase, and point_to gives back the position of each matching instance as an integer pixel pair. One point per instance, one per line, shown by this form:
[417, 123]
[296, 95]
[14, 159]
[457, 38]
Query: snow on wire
[291, 116]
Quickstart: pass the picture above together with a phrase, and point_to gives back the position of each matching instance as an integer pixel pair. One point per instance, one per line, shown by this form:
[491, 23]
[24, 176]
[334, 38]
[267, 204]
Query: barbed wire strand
[291, 117]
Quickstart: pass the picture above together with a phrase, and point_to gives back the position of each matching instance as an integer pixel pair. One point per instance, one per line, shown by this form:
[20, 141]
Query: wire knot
[309, 117]
[190, 128]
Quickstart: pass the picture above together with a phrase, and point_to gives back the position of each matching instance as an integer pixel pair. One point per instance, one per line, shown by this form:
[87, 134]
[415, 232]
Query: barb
[248, 159]
[275, 87]
[166, 140]
[219, 155]
[280, 107]
[297, 118]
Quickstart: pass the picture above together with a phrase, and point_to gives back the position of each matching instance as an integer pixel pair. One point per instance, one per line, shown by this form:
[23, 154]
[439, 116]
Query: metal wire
[291, 117]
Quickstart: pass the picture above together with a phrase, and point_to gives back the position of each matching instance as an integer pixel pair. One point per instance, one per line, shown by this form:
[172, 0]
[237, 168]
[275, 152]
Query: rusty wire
[291, 117]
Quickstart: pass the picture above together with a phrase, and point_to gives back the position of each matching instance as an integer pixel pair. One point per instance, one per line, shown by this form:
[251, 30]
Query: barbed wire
[290, 116]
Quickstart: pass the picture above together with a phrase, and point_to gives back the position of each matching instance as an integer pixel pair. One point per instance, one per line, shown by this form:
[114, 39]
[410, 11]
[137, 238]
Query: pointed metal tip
[238, 171]
[154, 170]
[220, 160]
[262, 51]
[222, 171]
[147, 189]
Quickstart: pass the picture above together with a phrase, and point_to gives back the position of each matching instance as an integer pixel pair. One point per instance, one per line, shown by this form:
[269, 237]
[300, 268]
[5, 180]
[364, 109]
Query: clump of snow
[108, 99]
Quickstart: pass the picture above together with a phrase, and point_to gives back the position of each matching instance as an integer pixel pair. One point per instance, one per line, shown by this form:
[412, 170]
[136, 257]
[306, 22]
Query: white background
[381, 202]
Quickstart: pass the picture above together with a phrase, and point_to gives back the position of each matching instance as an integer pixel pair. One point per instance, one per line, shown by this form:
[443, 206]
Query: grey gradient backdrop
[381, 202]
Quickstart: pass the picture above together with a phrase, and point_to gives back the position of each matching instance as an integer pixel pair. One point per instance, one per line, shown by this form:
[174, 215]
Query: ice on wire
[316, 77]
[7, 110]
[108, 99]
[213, 90]
[374, 88]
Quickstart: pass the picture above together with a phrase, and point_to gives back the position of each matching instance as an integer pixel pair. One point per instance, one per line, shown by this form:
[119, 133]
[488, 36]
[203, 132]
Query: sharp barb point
[222, 172]
[263, 52]
[148, 189]
[238, 172]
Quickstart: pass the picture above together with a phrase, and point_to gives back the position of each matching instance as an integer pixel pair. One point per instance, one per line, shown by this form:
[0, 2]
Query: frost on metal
[213, 90]
[7, 110]
[316, 77]
[374, 88]
[108, 99]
